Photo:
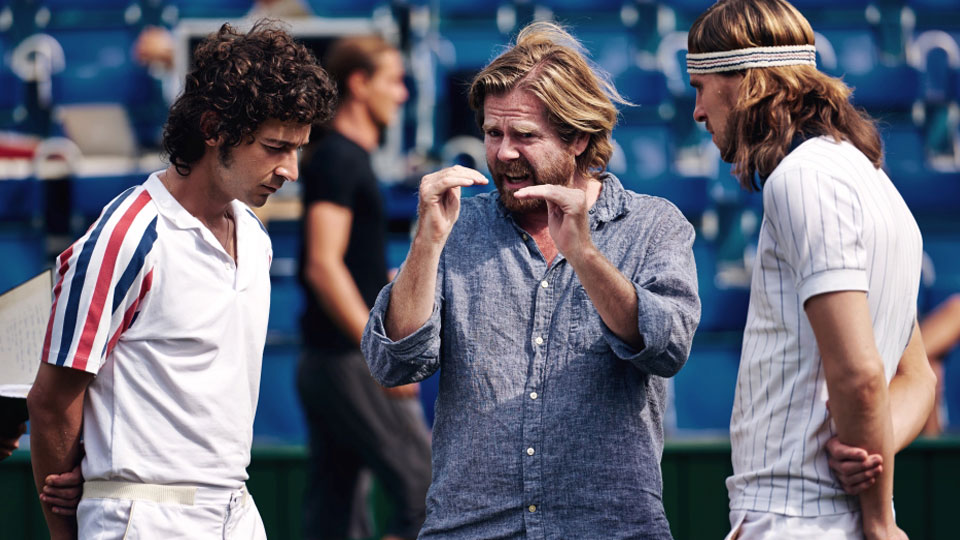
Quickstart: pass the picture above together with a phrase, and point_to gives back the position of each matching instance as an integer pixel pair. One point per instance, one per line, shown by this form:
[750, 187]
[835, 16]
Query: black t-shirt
[339, 171]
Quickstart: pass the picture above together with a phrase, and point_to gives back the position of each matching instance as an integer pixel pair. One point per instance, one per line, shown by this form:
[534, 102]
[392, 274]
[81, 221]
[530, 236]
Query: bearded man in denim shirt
[555, 308]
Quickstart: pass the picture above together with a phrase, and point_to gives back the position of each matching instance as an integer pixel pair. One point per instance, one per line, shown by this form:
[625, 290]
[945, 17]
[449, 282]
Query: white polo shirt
[832, 222]
[150, 302]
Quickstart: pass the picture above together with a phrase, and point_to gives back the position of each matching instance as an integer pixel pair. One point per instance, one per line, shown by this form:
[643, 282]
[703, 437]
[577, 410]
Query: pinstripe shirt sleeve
[818, 221]
[101, 281]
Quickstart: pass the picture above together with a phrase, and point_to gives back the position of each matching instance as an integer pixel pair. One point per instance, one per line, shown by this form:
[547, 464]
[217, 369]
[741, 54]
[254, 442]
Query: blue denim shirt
[547, 424]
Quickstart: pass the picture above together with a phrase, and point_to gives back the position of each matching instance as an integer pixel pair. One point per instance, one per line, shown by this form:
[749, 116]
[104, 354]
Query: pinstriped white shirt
[832, 222]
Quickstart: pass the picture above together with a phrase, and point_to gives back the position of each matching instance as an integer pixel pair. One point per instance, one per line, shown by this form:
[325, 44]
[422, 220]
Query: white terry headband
[753, 57]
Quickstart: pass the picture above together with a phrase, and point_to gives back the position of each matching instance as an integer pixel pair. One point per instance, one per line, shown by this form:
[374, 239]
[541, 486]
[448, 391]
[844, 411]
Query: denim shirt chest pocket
[586, 334]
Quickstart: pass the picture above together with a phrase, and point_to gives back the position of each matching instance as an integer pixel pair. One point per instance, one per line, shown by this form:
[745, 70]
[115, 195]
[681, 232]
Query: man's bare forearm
[912, 392]
[55, 404]
[412, 296]
[859, 397]
[860, 410]
[337, 293]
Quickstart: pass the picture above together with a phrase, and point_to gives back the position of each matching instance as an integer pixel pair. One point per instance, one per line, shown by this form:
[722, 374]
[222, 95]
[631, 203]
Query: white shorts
[749, 525]
[212, 514]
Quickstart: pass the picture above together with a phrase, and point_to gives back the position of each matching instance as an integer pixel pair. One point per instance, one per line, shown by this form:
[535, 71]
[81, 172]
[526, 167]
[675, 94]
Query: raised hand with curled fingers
[439, 205]
[567, 219]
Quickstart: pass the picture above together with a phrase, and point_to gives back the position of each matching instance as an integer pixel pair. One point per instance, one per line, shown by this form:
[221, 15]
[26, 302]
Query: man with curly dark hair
[155, 341]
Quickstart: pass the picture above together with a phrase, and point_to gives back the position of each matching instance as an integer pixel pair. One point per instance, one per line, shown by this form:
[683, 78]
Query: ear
[579, 143]
[357, 84]
[208, 126]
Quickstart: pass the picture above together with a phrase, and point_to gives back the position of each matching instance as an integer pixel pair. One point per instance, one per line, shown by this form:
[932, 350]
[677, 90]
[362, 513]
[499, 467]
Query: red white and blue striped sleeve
[102, 279]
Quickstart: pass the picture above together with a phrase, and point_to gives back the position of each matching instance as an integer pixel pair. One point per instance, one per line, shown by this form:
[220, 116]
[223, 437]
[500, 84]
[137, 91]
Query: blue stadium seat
[99, 67]
[22, 242]
[87, 4]
[903, 150]
[285, 238]
[593, 7]
[468, 8]
[279, 418]
[21, 200]
[398, 245]
[647, 149]
[722, 307]
[878, 86]
[691, 8]
[22, 252]
[943, 248]
[475, 43]
[216, 9]
[885, 88]
[399, 200]
[89, 194]
[286, 306]
[345, 8]
[830, 4]
[932, 4]
[704, 388]
[644, 87]
[12, 94]
[610, 44]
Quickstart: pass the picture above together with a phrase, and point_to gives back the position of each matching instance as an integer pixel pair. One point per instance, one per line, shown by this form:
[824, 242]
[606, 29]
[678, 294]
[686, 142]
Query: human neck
[354, 122]
[196, 194]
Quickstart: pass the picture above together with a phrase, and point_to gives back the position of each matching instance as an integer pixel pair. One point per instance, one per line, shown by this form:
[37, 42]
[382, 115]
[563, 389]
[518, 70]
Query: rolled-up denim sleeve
[668, 306]
[407, 360]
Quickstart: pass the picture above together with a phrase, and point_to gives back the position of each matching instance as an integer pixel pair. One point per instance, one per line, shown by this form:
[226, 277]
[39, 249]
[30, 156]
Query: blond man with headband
[553, 307]
[833, 300]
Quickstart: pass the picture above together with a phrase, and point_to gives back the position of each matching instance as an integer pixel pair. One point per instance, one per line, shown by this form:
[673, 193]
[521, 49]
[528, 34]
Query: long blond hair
[550, 63]
[777, 104]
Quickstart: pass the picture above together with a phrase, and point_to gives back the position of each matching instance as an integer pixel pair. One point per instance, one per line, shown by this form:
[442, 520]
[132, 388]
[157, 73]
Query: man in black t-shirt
[354, 423]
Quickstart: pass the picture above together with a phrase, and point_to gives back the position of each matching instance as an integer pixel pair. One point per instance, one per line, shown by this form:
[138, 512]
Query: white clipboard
[24, 312]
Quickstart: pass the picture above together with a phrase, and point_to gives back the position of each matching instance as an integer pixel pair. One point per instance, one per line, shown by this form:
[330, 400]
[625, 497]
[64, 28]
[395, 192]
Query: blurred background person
[155, 45]
[354, 424]
[941, 333]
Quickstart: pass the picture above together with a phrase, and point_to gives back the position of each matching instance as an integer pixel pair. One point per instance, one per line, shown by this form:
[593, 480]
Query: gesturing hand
[439, 205]
[566, 216]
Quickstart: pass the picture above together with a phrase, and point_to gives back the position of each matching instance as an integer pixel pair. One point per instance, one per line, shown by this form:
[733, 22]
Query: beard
[726, 139]
[556, 173]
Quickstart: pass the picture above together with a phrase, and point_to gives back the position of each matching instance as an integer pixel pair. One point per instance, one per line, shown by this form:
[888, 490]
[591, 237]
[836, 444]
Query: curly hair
[551, 64]
[244, 80]
[777, 104]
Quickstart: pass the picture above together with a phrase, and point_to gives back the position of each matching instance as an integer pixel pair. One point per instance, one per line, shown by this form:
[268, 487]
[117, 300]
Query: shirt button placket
[532, 415]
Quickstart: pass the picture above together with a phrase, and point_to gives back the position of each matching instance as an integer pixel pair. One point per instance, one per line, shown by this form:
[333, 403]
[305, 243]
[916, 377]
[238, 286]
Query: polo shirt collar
[168, 206]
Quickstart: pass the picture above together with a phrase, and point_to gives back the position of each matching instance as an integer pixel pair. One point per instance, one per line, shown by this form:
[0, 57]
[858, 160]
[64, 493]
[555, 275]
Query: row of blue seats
[221, 8]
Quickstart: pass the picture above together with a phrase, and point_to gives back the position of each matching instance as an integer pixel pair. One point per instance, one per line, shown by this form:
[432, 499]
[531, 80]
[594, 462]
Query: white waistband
[183, 495]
